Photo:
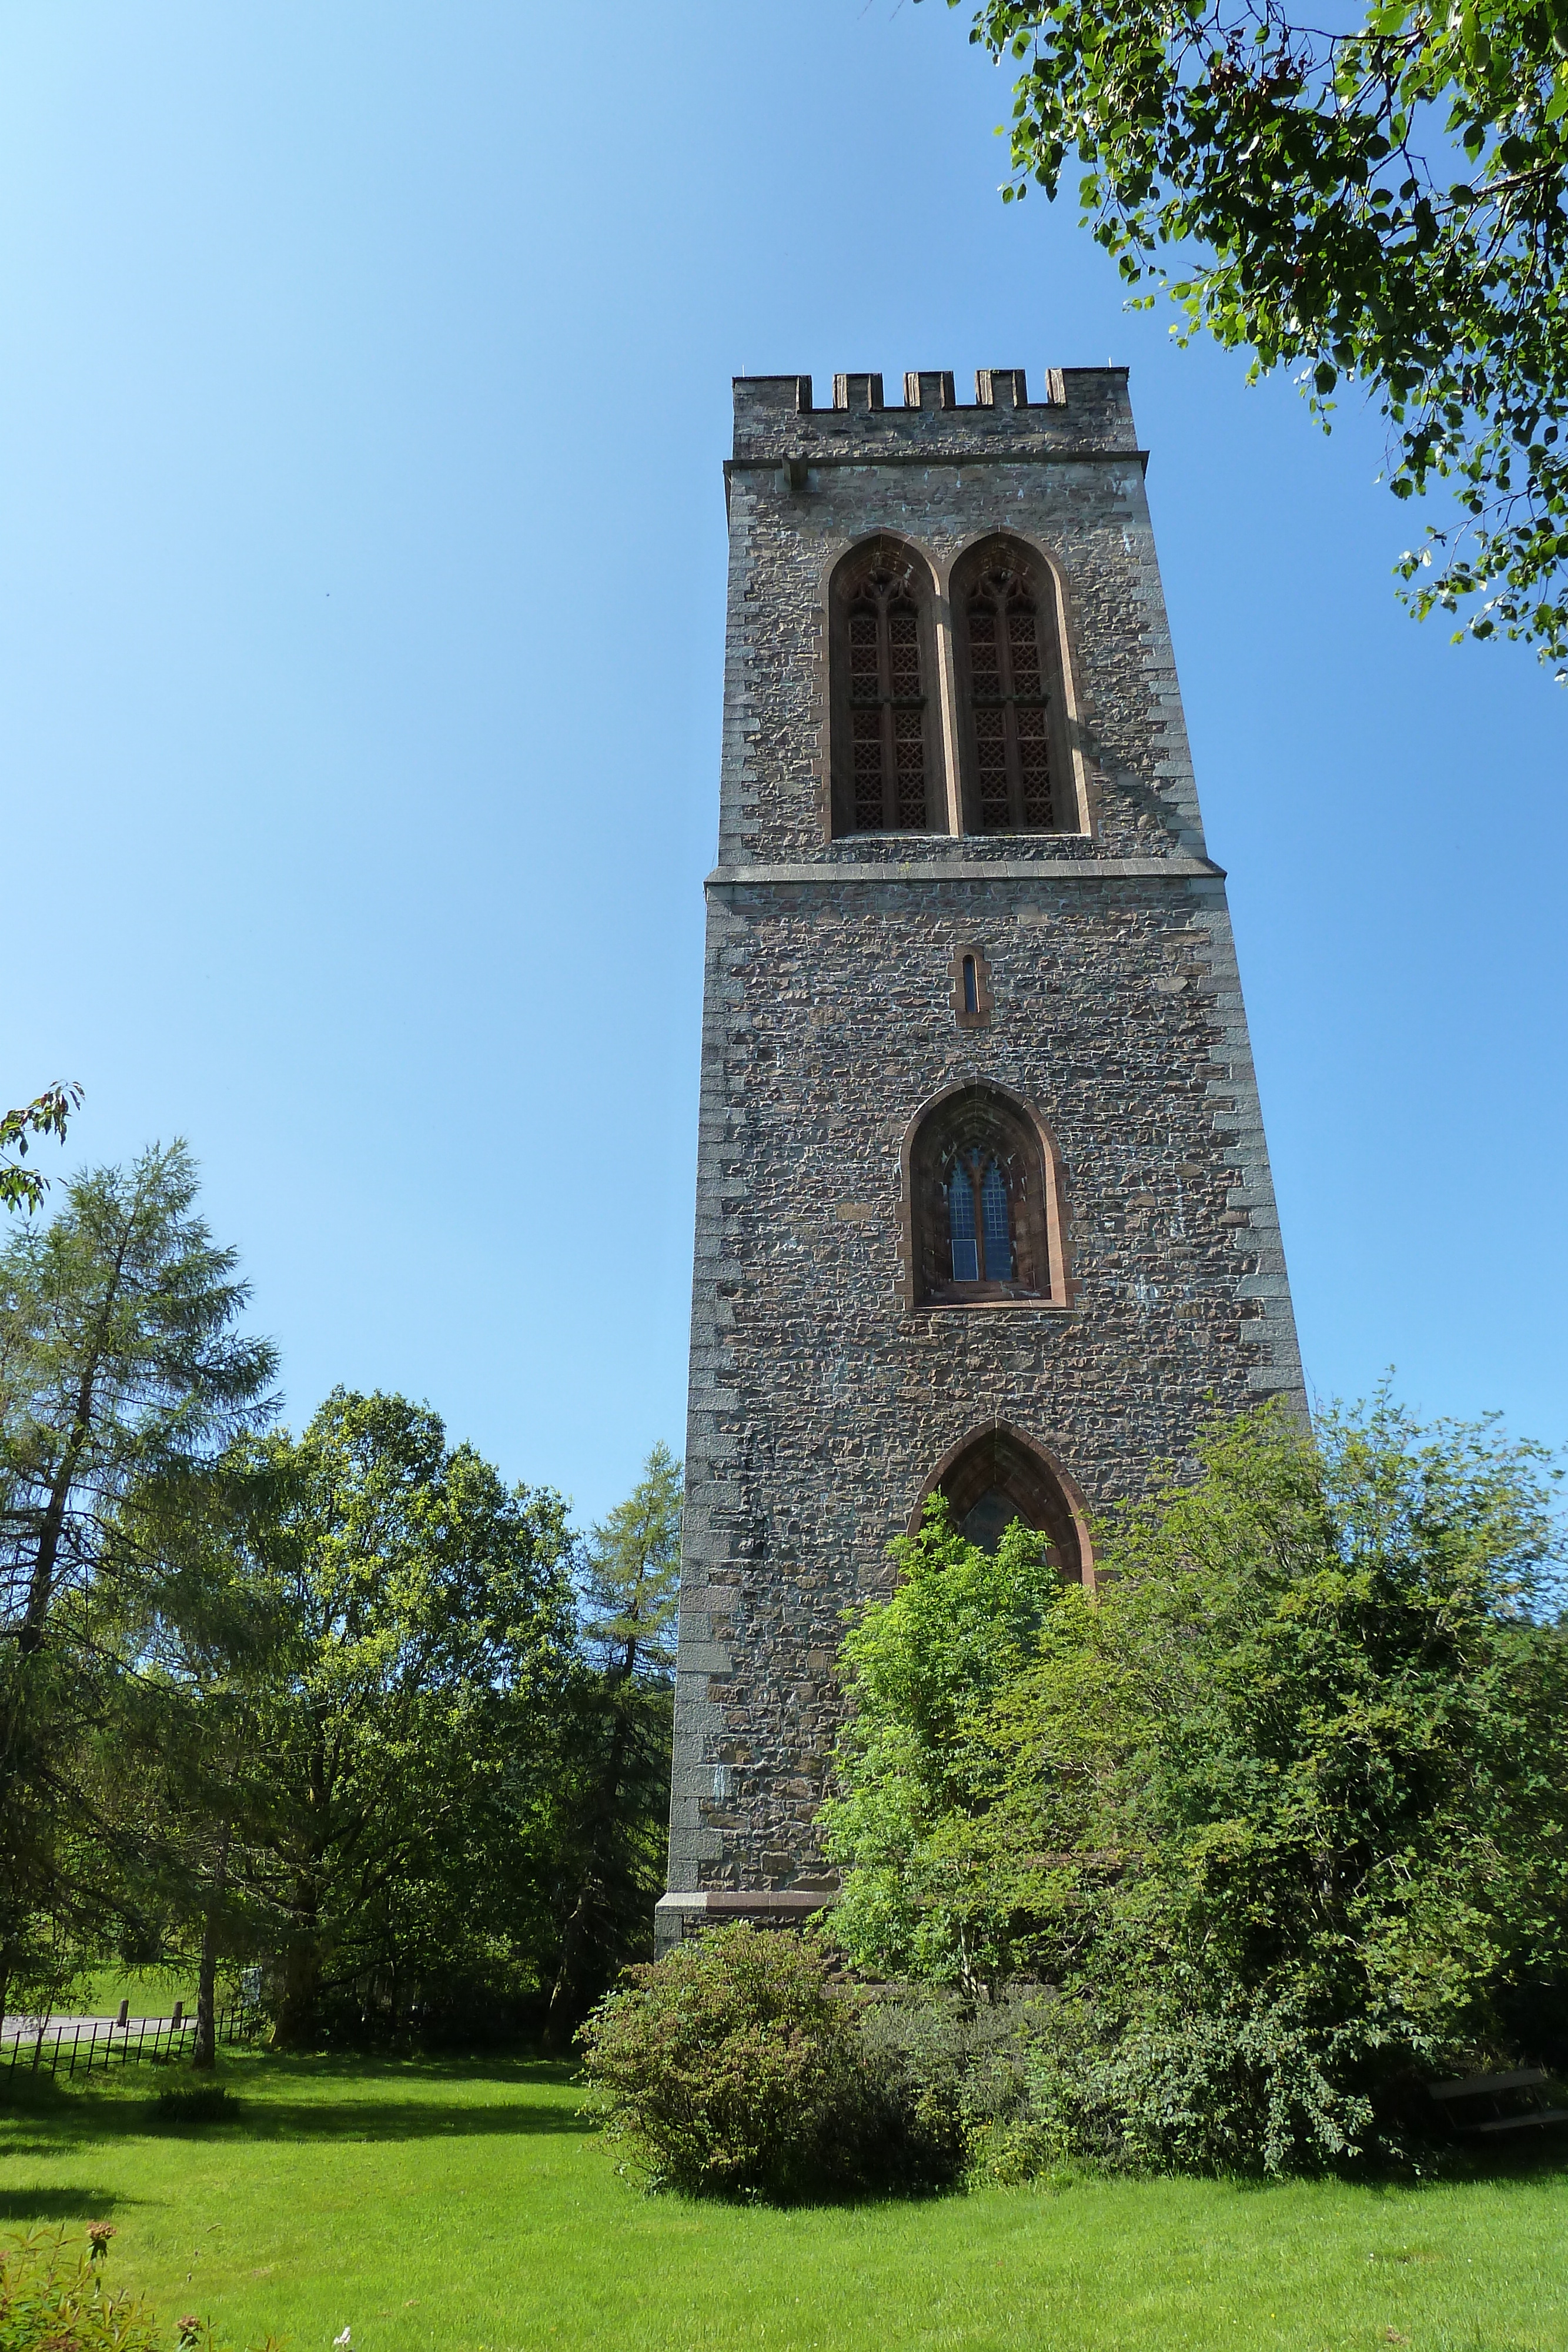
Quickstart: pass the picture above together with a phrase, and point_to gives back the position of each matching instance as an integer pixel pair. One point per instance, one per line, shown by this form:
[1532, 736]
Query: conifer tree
[119, 1367]
[632, 1574]
[612, 1836]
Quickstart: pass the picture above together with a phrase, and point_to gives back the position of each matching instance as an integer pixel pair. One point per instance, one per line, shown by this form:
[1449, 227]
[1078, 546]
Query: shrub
[734, 2067]
[962, 2066]
[1208, 2084]
[193, 2103]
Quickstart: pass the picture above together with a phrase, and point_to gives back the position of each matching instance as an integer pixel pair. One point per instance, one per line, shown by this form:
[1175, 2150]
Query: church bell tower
[983, 1200]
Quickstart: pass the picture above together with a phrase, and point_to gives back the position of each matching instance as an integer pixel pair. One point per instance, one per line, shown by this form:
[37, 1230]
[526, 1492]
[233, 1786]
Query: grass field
[464, 2206]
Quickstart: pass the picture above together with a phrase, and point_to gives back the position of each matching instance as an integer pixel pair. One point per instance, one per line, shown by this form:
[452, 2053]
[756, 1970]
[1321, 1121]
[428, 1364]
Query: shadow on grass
[24, 2209]
[50, 2127]
[363, 2119]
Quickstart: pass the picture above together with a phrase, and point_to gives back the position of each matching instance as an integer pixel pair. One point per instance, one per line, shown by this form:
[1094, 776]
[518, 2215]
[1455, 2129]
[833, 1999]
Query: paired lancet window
[887, 640]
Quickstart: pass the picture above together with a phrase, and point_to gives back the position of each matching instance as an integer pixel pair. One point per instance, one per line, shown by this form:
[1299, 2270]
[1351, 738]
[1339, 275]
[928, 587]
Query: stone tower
[983, 1200]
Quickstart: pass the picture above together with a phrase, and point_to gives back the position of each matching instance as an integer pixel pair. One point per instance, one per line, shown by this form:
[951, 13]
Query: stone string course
[819, 1404]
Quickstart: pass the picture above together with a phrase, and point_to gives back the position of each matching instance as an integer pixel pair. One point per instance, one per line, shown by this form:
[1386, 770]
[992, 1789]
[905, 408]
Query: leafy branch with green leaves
[24, 1188]
[1381, 205]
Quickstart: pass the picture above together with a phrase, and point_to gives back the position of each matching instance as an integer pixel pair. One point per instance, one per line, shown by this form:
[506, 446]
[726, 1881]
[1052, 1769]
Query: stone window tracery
[979, 1224]
[1004, 607]
[883, 664]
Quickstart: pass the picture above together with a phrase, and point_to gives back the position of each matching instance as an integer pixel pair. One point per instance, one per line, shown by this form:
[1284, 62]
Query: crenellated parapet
[1084, 410]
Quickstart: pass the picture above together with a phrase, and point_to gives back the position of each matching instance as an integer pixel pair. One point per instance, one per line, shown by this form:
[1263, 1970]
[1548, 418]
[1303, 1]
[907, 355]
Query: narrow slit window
[971, 986]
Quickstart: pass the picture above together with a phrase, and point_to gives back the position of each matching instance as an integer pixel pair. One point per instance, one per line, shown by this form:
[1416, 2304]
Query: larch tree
[120, 1366]
[613, 1810]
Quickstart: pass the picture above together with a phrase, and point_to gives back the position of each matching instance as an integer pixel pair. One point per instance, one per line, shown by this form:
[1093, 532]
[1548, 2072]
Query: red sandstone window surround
[997, 1475]
[984, 1221]
[970, 973]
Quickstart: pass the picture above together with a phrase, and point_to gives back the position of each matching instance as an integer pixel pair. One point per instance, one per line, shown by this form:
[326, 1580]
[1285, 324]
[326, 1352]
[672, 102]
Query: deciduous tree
[1381, 203]
[410, 1727]
[1282, 1818]
[24, 1188]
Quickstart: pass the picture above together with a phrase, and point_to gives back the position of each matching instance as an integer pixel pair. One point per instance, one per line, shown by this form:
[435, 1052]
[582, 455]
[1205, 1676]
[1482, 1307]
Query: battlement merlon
[1085, 410]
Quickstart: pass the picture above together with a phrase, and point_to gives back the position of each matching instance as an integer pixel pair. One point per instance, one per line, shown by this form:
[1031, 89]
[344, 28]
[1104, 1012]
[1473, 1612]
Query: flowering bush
[52, 2293]
[54, 2298]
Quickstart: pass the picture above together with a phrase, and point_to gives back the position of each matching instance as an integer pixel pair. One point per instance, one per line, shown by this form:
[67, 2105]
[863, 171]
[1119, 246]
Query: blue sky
[365, 392]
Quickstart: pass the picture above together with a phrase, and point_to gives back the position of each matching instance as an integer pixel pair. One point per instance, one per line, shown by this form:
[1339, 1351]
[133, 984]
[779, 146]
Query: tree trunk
[41, 1584]
[297, 2009]
[205, 2053]
[564, 2001]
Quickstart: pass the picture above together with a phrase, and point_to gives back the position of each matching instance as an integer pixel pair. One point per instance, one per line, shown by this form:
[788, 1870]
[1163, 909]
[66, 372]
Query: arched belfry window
[1007, 624]
[883, 705]
[996, 1476]
[983, 1206]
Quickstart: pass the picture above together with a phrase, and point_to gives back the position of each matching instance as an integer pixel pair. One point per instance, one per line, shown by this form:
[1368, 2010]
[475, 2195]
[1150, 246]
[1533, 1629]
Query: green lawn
[463, 2206]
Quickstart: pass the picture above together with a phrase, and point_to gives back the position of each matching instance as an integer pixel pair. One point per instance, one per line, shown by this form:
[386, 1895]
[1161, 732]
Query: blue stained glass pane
[961, 1226]
[998, 1238]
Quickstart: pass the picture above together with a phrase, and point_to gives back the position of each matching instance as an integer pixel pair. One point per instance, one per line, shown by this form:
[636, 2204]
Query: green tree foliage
[919, 1772]
[328, 1704]
[616, 1781]
[1381, 203]
[197, 1637]
[631, 1576]
[24, 1188]
[1281, 1820]
[120, 1370]
[390, 1825]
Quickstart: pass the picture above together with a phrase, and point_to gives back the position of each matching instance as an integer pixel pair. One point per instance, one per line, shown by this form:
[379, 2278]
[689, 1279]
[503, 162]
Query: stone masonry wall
[820, 1403]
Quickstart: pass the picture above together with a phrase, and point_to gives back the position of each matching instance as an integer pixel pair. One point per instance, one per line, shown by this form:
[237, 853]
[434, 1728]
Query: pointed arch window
[985, 1221]
[1005, 605]
[884, 665]
[997, 1475]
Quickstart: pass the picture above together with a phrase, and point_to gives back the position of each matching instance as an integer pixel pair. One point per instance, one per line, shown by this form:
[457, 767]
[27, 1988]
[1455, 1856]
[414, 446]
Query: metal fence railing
[89, 2042]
